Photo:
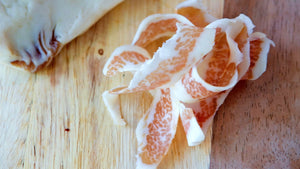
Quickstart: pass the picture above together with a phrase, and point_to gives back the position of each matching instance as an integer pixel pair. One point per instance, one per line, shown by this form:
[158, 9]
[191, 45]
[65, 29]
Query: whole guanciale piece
[189, 76]
[32, 32]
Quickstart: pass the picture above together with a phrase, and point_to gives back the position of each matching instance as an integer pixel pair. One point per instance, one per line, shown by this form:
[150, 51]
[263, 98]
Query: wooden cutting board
[56, 118]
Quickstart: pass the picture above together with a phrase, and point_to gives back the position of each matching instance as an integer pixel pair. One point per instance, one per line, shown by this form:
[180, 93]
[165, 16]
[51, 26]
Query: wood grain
[258, 125]
[56, 118]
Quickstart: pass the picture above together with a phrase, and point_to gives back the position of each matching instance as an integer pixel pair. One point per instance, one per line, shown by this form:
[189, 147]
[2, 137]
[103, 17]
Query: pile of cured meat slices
[189, 76]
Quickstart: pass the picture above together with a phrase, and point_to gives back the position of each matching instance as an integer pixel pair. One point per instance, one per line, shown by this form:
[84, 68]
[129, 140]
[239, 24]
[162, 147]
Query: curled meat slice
[239, 29]
[191, 127]
[125, 58]
[233, 26]
[205, 110]
[174, 58]
[112, 103]
[194, 11]
[259, 48]
[192, 87]
[156, 26]
[219, 70]
[157, 129]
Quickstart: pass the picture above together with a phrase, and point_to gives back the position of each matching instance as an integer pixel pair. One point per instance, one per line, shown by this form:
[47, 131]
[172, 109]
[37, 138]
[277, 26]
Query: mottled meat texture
[189, 76]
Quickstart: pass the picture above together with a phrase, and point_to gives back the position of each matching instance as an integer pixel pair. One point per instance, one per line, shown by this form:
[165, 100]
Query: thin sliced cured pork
[196, 12]
[189, 76]
[125, 58]
[156, 26]
[157, 129]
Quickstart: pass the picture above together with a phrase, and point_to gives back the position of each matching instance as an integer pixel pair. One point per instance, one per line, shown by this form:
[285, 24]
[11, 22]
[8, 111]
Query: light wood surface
[258, 126]
[56, 118]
